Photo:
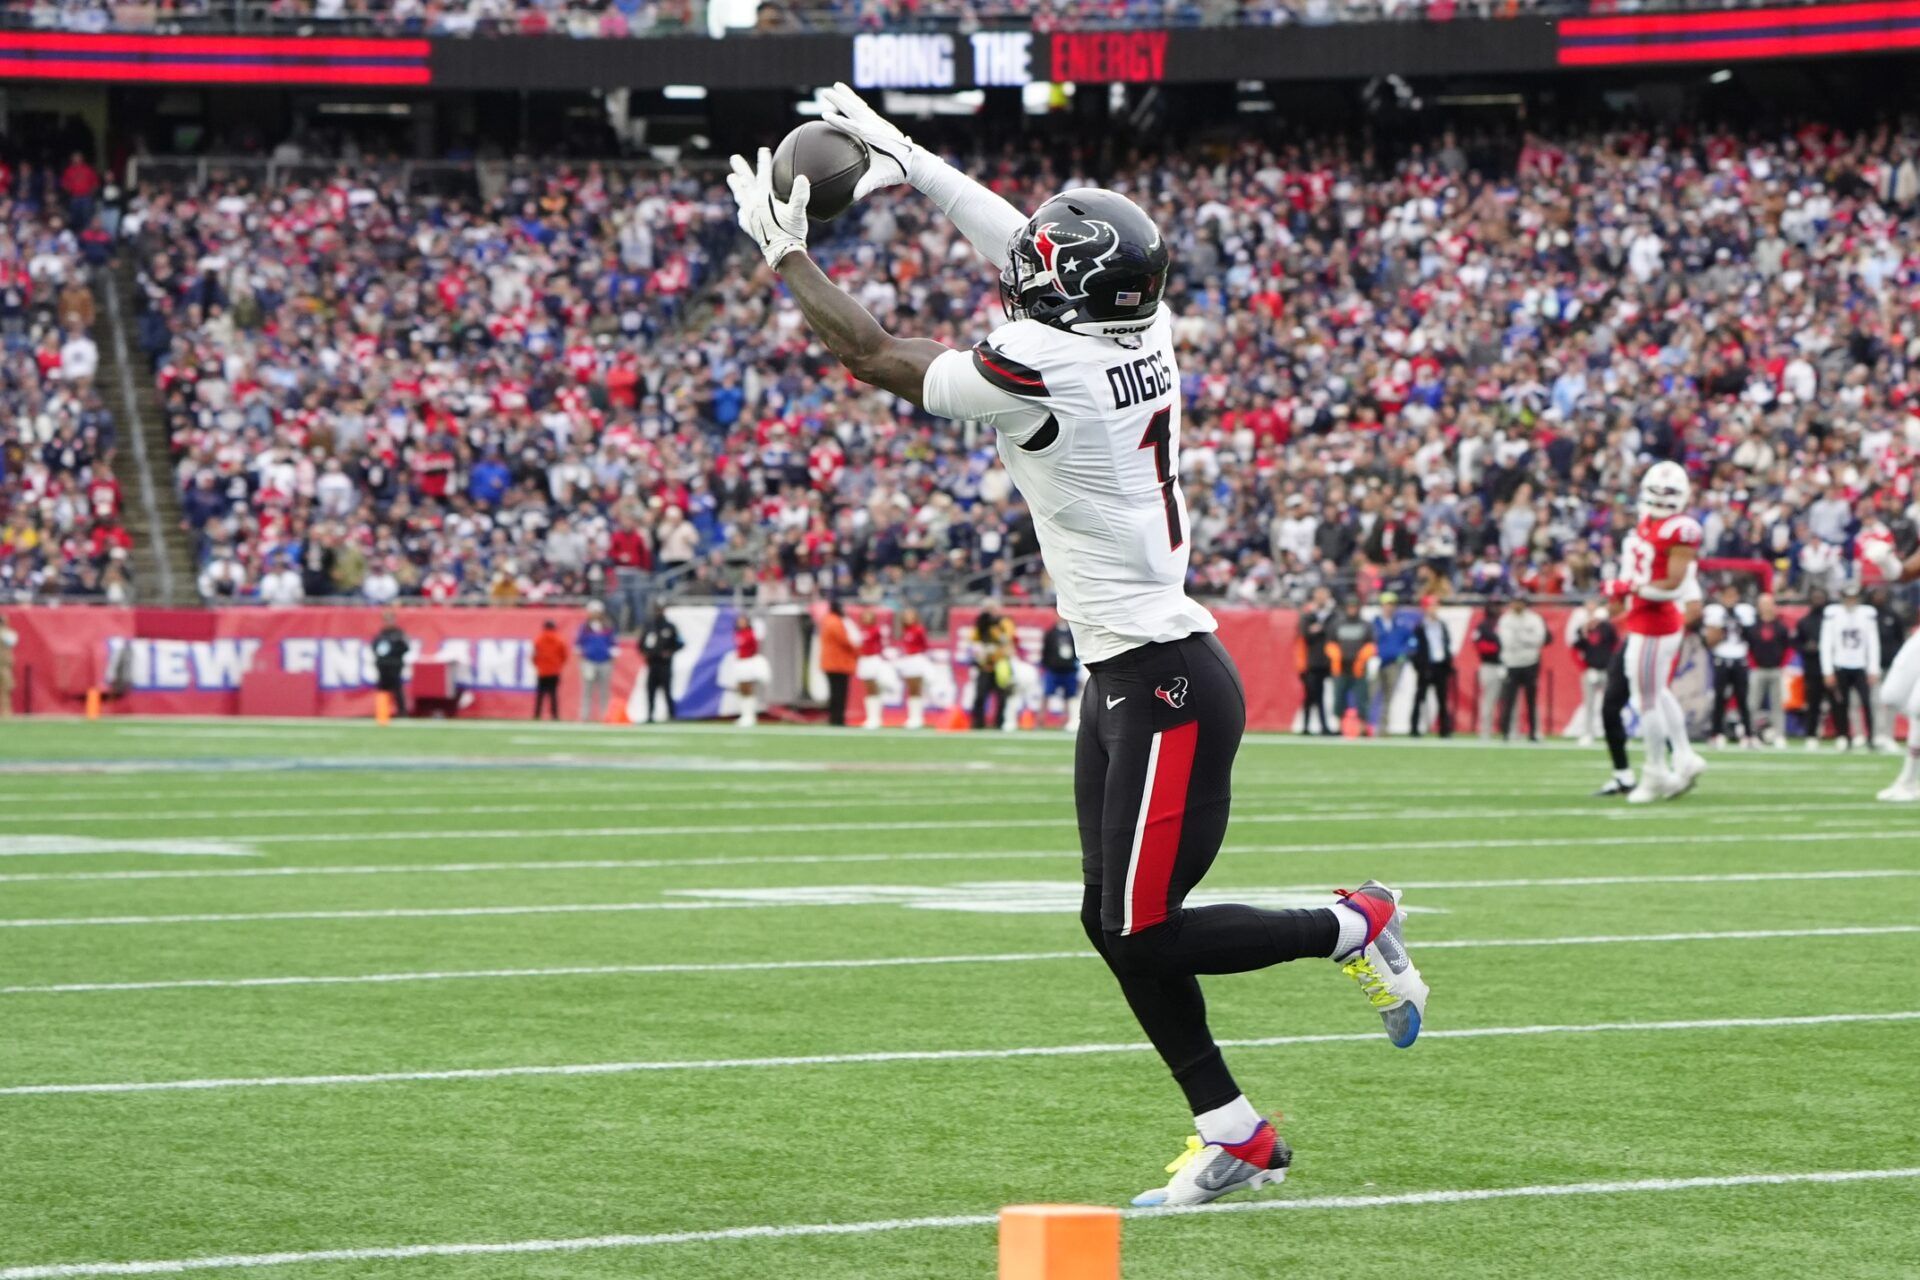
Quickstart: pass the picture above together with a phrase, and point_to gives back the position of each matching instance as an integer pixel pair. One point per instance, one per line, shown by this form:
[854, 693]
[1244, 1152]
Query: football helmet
[1087, 261]
[1664, 490]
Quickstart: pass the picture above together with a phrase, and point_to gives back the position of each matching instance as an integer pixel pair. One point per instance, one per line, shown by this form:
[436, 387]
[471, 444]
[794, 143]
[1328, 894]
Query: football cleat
[1904, 791]
[1615, 787]
[1687, 771]
[1208, 1170]
[1655, 784]
[1384, 970]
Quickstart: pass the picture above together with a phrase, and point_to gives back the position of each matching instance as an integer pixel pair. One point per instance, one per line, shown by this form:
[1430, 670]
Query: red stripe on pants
[1166, 803]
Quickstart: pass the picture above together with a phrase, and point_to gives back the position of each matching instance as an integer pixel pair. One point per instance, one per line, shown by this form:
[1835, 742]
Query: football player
[1083, 391]
[1900, 691]
[1655, 576]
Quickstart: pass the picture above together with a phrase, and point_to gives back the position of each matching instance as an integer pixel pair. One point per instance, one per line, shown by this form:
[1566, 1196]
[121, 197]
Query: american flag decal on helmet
[1129, 298]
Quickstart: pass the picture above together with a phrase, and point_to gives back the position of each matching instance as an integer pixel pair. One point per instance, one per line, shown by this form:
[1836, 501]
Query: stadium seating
[60, 506]
[1412, 376]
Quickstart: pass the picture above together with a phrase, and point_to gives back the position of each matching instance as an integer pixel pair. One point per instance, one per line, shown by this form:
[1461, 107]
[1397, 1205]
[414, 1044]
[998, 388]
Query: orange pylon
[1059, 1242]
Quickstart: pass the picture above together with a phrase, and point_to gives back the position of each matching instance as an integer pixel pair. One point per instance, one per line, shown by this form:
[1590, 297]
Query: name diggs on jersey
[1138, 381]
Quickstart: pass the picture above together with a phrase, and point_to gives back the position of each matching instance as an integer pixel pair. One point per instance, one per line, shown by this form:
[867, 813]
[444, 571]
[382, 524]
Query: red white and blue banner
[319, 662]
[1879, 26]
[248, 60]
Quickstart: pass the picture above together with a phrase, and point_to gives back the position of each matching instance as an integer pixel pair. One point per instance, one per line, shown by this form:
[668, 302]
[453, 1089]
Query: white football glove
[1883, 557]
[889, 152]
[778, 227]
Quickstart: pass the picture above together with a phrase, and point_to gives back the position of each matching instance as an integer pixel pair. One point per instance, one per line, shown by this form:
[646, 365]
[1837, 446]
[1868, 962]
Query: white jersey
[1850, 639]
[1733, 624]
[1089, 428]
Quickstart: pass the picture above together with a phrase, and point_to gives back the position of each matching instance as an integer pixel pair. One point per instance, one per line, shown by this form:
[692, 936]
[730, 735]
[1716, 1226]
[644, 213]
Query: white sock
[748, 704]
[1910, 771]
[1353, 930]
[873, 711]
[916, 712]
[1676, 718]
[1234, 1122]
[1623, 776]
[1653, 734]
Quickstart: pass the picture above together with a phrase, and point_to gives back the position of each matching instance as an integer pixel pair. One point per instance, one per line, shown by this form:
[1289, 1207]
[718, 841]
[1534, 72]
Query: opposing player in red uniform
[1656, 562]
[912, 666]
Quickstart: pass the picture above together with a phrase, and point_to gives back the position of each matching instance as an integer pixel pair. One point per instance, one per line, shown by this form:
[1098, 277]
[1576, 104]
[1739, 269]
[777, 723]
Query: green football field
[320, 1000]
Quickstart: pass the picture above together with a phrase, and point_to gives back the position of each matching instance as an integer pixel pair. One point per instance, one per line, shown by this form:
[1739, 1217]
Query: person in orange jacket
[838, 659]
[550, 654]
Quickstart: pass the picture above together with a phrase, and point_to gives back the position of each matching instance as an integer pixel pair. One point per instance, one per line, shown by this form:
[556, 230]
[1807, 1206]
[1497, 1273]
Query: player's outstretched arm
[985, 219]
[779, 228]
[870, 353]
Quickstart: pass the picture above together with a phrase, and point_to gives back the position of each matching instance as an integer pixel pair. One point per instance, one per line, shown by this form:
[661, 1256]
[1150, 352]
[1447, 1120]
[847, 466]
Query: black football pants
[1613, 709]
[1731, 682]
[1159, 727]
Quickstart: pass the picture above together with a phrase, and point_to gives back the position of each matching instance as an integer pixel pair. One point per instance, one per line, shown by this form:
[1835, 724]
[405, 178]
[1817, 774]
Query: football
[833, 162]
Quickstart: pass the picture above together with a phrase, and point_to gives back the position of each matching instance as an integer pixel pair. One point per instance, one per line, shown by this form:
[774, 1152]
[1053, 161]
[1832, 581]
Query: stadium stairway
[162, 552]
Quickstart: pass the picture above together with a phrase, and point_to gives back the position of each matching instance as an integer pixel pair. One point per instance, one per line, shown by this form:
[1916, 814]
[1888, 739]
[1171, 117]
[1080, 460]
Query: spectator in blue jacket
[489, 480]
[595, 647]
[1395, 635]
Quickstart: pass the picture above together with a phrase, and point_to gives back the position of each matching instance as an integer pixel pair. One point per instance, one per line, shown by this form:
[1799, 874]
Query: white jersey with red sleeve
[1646, 556]
[1089, 429]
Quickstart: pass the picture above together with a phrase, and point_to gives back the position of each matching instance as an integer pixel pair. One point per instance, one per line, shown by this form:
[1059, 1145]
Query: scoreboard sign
[903, 61]
[1006, 59]
[1107, 57]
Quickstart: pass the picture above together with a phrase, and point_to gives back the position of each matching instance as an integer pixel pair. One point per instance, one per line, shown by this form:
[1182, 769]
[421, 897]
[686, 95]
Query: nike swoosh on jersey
[1114, 702]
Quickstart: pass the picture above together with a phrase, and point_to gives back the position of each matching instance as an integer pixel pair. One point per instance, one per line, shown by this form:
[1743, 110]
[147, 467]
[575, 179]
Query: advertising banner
[1008, 57]
[319, 661]
[1801, 31]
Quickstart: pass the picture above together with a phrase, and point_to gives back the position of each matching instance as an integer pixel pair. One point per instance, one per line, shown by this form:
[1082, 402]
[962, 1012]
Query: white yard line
[308, 783]
[928, 1055]
[568, 864]
[802, 1230]
[1757, 839]
[1758, 815]
[563, 971]
[812, 900]
[388, 913]
[783, 803]
[779, 966]
[995, 855]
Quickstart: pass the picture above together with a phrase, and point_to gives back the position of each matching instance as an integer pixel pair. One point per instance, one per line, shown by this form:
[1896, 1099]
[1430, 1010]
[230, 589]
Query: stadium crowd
[60, 505]
[1439, 375]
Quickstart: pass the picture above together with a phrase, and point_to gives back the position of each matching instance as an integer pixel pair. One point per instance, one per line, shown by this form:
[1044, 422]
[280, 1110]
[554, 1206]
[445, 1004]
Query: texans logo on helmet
[1069, 262]
[1173, 694]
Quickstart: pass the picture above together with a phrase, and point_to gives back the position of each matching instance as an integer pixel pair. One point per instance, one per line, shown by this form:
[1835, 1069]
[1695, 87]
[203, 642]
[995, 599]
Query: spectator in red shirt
[81, 184]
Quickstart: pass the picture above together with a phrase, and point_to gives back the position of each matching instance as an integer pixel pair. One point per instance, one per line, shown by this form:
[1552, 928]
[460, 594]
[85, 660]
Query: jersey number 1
[1159, 438]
